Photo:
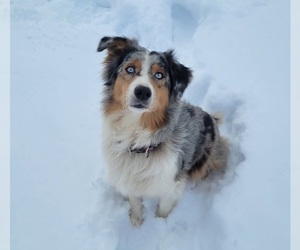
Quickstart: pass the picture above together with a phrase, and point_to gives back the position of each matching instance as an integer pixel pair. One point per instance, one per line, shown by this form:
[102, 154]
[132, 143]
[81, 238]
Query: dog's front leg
[166, 204]
[136, 211]
[168, 200]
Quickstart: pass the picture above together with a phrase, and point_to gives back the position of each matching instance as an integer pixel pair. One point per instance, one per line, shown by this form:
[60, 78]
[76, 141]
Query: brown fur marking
[156, 118]
[113, 48]
[121, 86]
[216, 160]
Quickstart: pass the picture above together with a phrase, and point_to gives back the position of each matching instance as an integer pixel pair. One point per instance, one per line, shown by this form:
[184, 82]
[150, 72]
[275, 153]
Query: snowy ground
[60, 198]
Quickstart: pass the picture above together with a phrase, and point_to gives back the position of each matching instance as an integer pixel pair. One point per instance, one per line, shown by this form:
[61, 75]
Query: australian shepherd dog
[153, 141]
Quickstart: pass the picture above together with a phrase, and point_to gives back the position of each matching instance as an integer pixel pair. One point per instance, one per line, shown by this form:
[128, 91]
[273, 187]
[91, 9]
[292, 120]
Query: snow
[60, 197]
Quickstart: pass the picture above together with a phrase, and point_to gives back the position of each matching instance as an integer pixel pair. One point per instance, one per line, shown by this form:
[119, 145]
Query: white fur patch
[131, 173]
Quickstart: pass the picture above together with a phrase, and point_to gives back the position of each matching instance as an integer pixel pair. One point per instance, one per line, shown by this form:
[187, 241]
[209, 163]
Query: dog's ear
[116, 45]
[118, 48]
[180, 75]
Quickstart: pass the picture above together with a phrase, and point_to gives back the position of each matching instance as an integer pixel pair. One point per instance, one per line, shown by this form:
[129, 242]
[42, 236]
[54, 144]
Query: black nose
[142, 93]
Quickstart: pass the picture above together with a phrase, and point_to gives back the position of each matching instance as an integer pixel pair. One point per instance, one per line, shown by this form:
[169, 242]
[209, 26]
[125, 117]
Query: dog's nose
[142, 93]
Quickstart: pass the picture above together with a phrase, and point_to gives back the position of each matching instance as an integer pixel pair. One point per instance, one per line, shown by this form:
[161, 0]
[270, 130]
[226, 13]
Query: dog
[153, 141]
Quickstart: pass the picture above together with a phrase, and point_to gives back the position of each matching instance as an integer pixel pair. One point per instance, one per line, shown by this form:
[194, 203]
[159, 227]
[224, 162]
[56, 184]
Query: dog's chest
[134, 173]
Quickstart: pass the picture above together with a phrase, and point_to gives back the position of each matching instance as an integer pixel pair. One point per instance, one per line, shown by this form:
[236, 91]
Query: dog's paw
[136, 218]
[162, 214]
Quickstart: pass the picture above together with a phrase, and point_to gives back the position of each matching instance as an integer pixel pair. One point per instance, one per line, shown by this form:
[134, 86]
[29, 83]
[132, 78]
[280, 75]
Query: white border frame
[5, 124]
[295, 125]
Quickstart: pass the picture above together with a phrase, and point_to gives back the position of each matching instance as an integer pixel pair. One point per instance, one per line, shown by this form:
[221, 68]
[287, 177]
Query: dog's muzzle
[142, 95]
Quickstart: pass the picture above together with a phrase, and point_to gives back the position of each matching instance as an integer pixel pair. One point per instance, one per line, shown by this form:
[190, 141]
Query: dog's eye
[130, 70]
[159, 75]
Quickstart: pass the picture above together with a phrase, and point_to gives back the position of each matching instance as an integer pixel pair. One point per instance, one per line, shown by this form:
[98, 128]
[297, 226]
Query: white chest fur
[134, 174]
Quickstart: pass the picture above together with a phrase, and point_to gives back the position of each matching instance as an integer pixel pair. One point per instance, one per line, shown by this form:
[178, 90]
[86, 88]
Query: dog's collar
[144, 150]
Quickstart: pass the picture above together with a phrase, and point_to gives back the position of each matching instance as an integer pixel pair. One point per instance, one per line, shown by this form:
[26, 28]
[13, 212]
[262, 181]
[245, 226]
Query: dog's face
[140, 80]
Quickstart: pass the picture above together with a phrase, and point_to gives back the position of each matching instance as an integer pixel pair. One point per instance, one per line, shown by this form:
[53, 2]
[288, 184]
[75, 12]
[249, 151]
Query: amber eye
[130, 70]
[159, 75]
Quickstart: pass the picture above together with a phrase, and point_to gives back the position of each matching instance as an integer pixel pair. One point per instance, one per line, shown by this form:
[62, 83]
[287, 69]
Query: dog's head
[140, 80]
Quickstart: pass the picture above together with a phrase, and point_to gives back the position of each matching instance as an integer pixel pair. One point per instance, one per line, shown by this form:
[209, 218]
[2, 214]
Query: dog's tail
[218, 116]
[215, 160]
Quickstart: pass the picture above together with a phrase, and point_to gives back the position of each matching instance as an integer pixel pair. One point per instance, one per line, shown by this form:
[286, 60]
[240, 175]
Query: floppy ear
[116, 45]
[179, 74]
[118, 48]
